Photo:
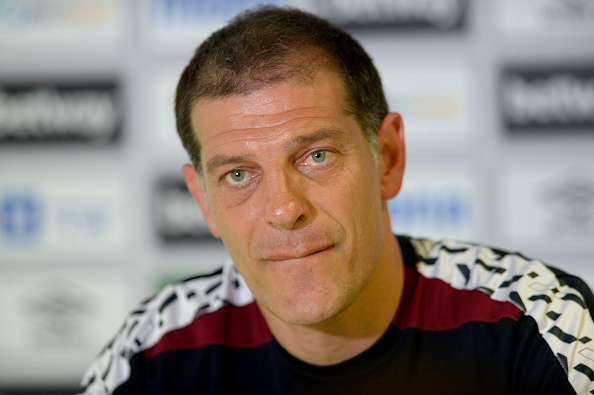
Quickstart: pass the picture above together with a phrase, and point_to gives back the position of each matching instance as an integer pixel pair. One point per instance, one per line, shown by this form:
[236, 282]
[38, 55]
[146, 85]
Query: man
[294, 157]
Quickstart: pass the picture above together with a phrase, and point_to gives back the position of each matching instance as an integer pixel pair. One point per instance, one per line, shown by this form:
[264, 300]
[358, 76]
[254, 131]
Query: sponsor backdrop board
[558, 98]
[550, 205]
[175, 214]
[498, 105]
[55, 320]
[48, 211]
[436, 203]
[89, 112]
[176, 25]
[434, 102]
[546, 16]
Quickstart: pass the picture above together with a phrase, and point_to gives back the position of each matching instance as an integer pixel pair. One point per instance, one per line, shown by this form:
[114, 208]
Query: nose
[286, 205]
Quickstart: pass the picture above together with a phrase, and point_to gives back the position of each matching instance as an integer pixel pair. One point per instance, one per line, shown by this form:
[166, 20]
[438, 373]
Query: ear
[391, 155]
[195, 187]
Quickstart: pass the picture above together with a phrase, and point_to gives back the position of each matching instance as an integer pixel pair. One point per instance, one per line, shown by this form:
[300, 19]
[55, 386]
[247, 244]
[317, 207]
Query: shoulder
[561, 305]
[176, 306]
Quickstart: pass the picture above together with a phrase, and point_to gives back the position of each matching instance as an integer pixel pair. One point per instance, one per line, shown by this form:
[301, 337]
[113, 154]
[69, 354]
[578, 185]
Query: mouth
[295, 255]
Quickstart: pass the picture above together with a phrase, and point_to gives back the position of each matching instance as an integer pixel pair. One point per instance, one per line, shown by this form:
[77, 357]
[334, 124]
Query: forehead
[272, 110]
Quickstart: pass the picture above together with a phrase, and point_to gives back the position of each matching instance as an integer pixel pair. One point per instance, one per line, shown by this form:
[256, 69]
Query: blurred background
[498, 104]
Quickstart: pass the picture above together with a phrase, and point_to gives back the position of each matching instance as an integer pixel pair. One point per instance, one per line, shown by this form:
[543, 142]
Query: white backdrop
[498, 105]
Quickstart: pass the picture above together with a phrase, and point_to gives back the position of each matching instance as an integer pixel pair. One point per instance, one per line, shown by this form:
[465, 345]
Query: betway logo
[438, 14]
[548, 99]
[59, 113]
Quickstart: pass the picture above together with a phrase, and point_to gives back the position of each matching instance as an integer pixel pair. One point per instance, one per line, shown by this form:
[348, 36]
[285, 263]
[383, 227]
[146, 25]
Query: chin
[307, 318]
[310, 312]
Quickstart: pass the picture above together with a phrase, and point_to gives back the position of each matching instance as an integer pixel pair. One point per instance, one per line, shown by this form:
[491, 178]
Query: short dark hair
[269, 45]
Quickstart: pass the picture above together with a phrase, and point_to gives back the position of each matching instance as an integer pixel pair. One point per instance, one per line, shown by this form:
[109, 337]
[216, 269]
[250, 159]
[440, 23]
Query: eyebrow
[318, 135]
[225, 160]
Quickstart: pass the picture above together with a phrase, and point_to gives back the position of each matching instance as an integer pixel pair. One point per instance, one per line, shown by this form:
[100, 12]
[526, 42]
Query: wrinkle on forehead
[250, 112]
[254, 128]
[278, 98]
[267, 130]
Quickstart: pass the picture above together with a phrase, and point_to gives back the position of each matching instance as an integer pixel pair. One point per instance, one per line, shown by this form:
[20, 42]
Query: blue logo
[79, 219]
[195, 11]
[430, 212]
[20, 217]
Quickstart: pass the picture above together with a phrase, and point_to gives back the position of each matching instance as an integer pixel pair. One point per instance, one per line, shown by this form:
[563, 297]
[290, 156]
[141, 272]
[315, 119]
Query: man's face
[291, 187]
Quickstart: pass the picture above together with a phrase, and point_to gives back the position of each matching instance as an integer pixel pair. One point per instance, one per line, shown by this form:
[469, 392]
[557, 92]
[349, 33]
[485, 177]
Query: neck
[356, 328]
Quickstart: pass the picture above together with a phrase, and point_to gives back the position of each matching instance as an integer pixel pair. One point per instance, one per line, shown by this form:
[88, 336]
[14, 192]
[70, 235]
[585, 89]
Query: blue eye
[237, 175]
[319, 156]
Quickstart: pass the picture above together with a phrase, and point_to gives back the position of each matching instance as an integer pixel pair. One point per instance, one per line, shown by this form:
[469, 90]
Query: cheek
[363, 204]
[349, 205]
[236, 225]
[362, 188]
[230, 222]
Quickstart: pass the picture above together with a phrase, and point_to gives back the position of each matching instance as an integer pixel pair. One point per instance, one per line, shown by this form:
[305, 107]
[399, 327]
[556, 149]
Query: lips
[282, 254]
